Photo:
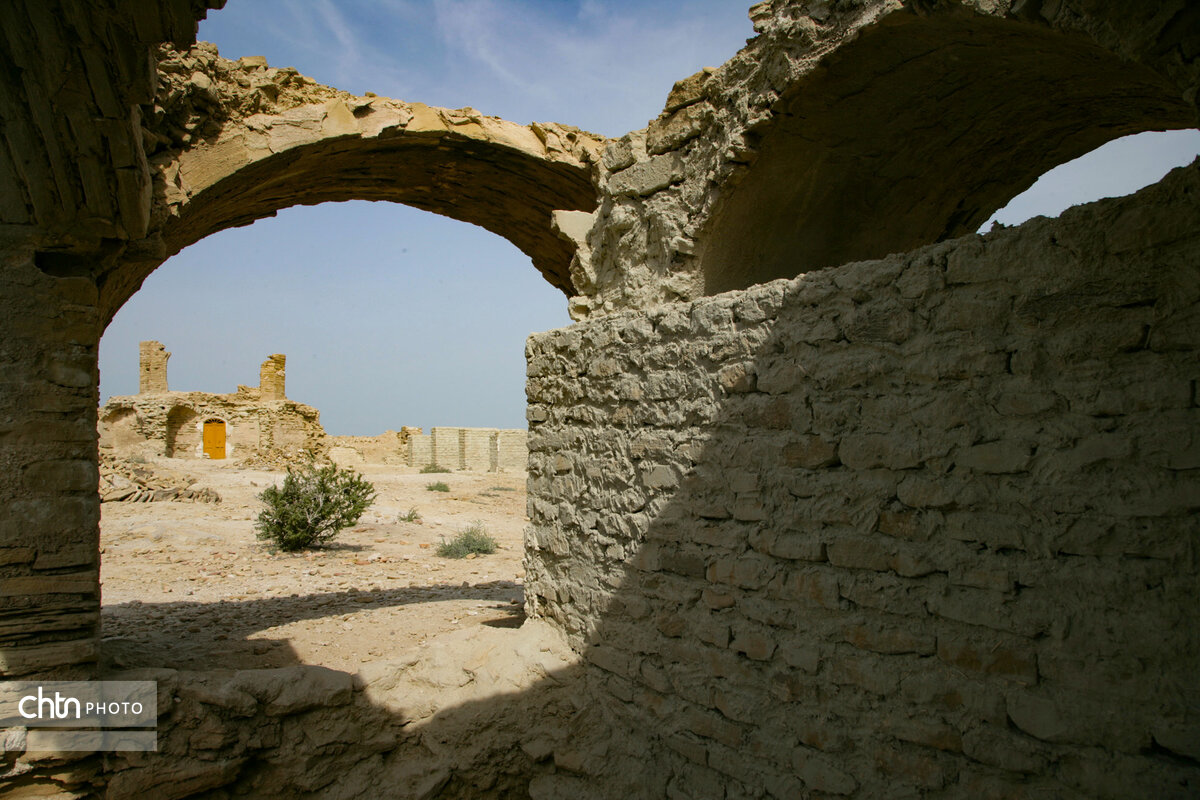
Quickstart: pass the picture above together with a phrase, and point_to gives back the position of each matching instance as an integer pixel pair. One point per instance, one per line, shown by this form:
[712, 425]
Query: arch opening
[182, 439]
[916, 133]
[355, 306]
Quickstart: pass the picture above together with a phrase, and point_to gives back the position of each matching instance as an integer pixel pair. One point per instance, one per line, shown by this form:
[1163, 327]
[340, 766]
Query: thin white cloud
[473, 27]
[593, 66]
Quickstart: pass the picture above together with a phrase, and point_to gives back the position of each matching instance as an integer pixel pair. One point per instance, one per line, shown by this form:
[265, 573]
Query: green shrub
[312, 506]
[409, 516]
[473, 539]
[438, 487]
[428, 468]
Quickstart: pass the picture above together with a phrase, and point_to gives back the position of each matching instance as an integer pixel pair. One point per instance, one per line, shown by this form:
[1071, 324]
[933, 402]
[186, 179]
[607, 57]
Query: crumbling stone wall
[824, 140]
[920, 524]
[169, 425]
[389, 447]
[913, 525]
[272, 377]
[49, 529]
[259, 421]
[485, 726]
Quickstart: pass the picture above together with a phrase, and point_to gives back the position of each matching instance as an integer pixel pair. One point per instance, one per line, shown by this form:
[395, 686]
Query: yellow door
[214, 438]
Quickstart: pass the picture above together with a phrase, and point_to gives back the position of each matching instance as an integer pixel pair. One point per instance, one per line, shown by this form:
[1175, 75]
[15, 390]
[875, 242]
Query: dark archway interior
[916, 133]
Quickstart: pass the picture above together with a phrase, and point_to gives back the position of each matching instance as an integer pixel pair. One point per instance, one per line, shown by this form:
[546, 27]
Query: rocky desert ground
[187, 585]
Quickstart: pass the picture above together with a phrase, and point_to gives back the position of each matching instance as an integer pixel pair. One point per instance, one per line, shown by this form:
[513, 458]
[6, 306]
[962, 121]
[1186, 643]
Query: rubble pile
[122, 480]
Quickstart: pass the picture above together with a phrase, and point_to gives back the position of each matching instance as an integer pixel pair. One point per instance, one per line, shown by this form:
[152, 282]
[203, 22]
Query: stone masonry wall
[152, 367]
[308, 731]
[924, 525]
[169, 424]
[512, 452]
[875, 174]
[476, 449]
[49, 534]
[272, 377]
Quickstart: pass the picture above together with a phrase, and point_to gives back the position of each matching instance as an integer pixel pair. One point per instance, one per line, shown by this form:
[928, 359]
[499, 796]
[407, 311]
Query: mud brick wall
[478, 449]
[915, 524]
[511, 451]
[420, 450]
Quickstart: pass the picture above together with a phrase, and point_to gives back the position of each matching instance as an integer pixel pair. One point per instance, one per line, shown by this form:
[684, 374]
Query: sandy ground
[188, 586]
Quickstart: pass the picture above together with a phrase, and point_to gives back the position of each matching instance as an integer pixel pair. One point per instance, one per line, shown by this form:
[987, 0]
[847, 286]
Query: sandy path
[188, 586]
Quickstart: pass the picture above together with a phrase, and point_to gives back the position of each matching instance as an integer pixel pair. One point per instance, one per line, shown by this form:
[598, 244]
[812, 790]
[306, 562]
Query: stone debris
[125, 481]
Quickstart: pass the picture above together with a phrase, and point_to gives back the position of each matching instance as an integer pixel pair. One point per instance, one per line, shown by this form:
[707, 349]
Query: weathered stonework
[476, 449]
[856, 129]
[257, 422]
[389, 447]
[920, 524]
[916, 525]
[152, 368]
[272, 379]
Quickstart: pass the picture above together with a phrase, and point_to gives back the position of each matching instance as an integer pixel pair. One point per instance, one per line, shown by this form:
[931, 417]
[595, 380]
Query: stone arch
[312, 144]
[920, 127]
[182, 437]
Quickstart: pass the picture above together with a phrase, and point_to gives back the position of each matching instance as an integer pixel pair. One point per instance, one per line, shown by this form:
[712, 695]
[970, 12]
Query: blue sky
[392, 316]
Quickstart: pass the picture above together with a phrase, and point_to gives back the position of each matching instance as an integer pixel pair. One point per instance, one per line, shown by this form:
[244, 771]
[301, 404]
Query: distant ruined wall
[389, 447]
[920, 524]
[512, 451]
[446, 448]
[170, 425]
[420, 451]
[152, 368]
[474, 449]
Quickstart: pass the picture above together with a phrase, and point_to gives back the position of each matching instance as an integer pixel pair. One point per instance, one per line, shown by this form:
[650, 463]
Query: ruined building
[830, 495]
[263, 422]
[159, 422]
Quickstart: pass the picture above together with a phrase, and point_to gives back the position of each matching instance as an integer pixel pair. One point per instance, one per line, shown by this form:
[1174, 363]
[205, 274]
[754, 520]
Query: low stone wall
[478, 716]
[474, 449]
[909, 525]
[389, 447]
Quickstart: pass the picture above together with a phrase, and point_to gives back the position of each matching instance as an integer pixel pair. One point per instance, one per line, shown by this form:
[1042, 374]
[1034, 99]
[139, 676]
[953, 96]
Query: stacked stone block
[478, 447]
[447, 447]
[272, 377]
[512, 454]
[475, 449]
[420, 450]
[152, 368]
[49, 533]
[917, 525]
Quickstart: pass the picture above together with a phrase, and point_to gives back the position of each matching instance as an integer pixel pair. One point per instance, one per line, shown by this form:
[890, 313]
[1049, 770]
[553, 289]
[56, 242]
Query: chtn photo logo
[79, 716]
[41, 706]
